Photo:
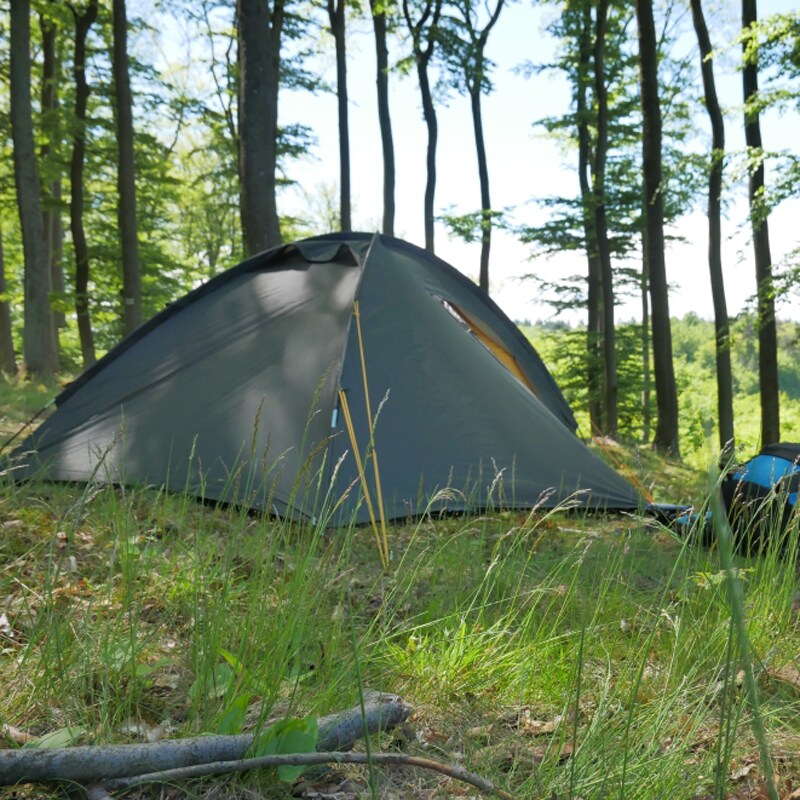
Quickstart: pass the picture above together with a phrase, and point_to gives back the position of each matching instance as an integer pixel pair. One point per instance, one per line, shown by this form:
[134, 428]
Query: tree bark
[422, 56]
[336, 16]
[379, 24]
[594, 277]
[666, 433]
[475, 83]
[608, 325]
[83, 764]
[721, 323]
[38, 336]
[126, 175]
[8, 359]
[259, 33]
[83, 23]
[765, 290]
[51, 200]
[483, 176]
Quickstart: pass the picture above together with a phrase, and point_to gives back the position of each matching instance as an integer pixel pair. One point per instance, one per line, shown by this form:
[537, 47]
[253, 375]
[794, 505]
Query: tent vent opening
[491, 344]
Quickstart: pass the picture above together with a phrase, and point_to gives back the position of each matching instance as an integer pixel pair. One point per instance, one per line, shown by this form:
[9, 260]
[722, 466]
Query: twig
[92, 764]
[310, 759]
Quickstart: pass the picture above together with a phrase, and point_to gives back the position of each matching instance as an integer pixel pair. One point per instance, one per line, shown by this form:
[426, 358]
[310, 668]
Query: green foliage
[288, 736]
[564, 351]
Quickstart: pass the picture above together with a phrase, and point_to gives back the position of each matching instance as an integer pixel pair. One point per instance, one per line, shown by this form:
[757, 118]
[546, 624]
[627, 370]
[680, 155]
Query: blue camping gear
[760, 495]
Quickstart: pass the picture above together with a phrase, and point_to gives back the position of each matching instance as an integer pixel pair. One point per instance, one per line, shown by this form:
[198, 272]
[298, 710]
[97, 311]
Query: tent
[236, 393]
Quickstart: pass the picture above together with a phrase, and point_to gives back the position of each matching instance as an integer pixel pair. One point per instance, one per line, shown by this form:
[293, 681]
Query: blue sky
[522, 164]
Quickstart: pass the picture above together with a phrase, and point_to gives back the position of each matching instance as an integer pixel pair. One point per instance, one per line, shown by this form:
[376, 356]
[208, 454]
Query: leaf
[237, 665]
[285, 737]
[63, 737]
[234, 715]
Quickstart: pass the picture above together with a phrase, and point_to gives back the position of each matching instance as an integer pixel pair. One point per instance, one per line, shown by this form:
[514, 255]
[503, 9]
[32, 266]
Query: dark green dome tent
[233, 394]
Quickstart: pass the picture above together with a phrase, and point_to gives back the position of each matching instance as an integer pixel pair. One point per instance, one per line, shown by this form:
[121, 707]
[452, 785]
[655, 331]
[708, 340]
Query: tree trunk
[8, 359]
[51, 200]
[387, 142]
[336, 15]
[38, 337]
[666, 434]
[422, 57]
[259, 34]
[767, 330]
[608, 326]
[483, 175]
[126, 175]
[429, 113]
[593, 282]
[82, 24]
[721, 324]
[647, 374]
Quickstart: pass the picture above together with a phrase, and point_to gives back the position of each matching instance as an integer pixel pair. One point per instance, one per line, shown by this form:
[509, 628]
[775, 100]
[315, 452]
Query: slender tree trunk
[8, 359]
[336, 15]
[483, 175]
[385, 120]
[422, 56]
[474, 78]
[126, 176]
[721, 324]
[666, 434]
[767, 329]
[51, 201]
[429, 113]
[82, 24]
[260, 29]
[608, 326]
[593, 283]
[647, 374]
[38, 337]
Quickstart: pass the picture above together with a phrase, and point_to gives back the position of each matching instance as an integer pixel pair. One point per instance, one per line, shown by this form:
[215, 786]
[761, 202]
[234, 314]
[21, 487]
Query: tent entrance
[490, 343]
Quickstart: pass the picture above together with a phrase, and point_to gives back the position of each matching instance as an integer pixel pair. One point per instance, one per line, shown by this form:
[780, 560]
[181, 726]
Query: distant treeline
[563, 349]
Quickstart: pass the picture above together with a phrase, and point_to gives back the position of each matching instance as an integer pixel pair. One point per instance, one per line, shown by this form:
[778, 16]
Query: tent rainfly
[242, 391]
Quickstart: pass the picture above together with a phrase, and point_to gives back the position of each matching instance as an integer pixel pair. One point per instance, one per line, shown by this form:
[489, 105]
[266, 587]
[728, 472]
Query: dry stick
[96, 764]
[310, 759]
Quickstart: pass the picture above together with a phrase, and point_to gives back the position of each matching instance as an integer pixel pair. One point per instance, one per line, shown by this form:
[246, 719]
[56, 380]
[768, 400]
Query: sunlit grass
[557, 653]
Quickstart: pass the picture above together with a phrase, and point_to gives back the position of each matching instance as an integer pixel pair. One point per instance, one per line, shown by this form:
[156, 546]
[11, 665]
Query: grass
[557, 654]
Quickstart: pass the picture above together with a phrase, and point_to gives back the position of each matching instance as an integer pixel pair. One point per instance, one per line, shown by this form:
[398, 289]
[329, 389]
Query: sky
[523, 164]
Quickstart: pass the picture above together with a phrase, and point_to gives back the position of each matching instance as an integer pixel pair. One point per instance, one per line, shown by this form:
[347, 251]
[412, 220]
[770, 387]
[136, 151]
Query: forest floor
[557, 654]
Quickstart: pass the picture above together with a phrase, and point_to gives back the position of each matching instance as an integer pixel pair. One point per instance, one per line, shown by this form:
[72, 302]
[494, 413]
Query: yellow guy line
[359, 465]
[372, 451]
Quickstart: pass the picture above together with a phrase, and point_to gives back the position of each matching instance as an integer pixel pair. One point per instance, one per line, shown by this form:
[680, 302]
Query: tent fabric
[232, 394]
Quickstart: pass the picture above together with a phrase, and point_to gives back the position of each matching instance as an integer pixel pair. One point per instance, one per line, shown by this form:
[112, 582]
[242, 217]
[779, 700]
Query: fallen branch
[98, 764]
[311, 759]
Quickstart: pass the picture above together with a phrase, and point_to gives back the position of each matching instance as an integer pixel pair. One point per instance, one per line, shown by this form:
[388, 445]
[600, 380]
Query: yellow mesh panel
[497, 349]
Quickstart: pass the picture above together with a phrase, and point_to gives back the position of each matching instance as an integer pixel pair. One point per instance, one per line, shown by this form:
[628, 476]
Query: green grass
[558, 654]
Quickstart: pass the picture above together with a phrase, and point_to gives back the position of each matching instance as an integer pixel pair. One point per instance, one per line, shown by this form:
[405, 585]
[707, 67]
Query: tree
[50, 160]
[422, 22]
[260, 25]
[83, 22]
[380, 26]
[607, 325]
[126, 178]
[604, 221]
[765, 289]
[721, 323]
[666, 434]
[41, 357]
[465, 53]
[336, 17]
[8, 359]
